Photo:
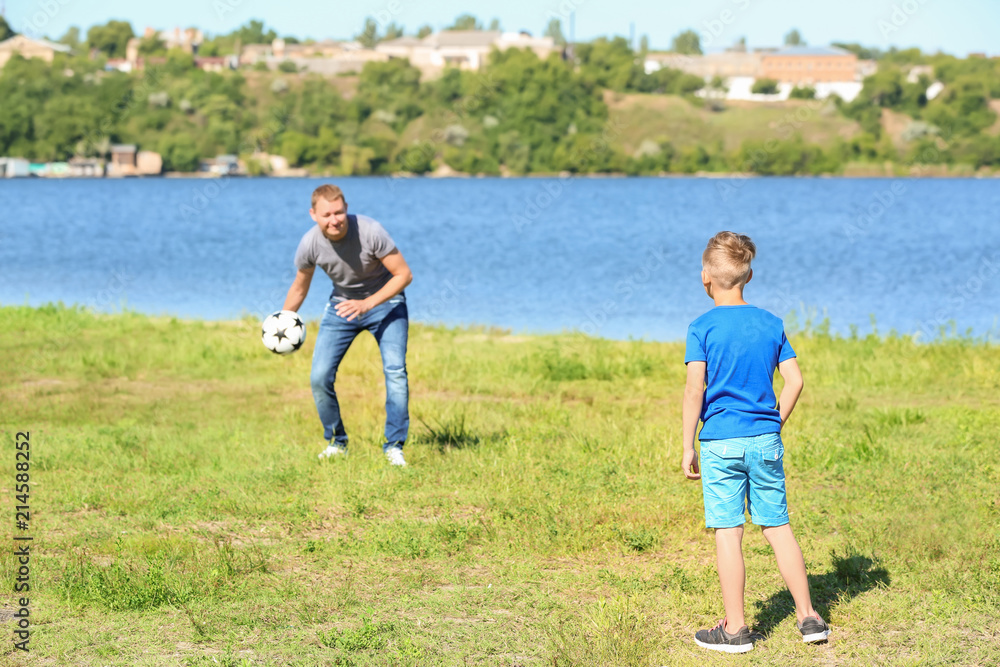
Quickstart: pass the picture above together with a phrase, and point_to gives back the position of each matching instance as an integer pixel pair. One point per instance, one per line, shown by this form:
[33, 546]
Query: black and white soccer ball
[283, 332]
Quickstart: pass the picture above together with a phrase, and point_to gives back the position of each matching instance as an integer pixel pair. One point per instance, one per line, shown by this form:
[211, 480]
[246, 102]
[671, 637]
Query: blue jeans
[389, 323]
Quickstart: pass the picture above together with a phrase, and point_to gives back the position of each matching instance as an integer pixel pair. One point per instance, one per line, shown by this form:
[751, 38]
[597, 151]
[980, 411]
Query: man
[369, 275]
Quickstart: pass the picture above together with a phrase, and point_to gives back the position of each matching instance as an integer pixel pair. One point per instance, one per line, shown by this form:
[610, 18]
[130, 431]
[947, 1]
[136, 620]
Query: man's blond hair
[727, 258]
[328, 192]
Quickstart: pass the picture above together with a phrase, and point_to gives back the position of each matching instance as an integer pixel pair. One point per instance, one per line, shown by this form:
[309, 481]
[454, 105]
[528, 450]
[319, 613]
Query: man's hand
[352, 308]
[689, 464]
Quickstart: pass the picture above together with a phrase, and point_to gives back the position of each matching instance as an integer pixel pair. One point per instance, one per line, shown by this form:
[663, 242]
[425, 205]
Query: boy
[732, 351]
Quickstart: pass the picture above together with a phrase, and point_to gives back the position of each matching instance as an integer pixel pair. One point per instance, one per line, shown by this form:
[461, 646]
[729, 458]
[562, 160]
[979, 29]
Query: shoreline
[708, 175]
[485, 331]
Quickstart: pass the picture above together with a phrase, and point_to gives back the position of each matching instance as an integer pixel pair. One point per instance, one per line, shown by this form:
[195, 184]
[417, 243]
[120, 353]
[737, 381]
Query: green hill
[520, 115]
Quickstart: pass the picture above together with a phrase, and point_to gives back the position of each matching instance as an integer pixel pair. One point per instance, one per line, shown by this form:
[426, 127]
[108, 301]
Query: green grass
[641, 117]
[181, 516]
[636, 117]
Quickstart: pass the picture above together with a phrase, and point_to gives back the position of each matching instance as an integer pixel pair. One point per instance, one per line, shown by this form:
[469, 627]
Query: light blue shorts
[744, 474]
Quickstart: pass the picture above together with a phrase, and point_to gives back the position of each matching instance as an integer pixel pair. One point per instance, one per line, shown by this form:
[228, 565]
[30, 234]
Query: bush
[785, 158]
[179, 153]
[802, 93]
[417, 158]
[764, 87]
[288, 67]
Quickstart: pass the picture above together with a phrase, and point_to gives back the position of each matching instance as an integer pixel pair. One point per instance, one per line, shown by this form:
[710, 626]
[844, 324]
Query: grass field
[181, 517]
[640, 117]
[634, 118]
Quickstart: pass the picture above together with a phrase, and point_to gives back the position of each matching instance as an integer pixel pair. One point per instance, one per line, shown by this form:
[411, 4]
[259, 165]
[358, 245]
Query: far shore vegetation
[596, 112]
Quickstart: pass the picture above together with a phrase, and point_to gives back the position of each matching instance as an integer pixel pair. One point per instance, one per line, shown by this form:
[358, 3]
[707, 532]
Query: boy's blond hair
[727, 258]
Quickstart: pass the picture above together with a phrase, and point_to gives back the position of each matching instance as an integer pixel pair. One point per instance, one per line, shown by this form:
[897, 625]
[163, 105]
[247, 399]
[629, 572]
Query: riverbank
[180, 514]
[858, 171]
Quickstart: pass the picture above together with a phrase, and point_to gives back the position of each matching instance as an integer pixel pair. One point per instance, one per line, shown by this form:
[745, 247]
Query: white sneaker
[332, 451]
[395, 456]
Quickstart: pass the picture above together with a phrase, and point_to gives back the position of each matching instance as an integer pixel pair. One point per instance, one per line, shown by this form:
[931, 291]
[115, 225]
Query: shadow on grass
[453, 433]
[852, 575]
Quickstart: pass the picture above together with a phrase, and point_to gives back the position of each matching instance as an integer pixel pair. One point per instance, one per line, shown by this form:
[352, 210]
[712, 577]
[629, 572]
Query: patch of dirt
[621, 101]
[484, 338]
[994, 129]
[44, 382]
[474, 398]
[347, 86]
[777, 104]
[894, 125]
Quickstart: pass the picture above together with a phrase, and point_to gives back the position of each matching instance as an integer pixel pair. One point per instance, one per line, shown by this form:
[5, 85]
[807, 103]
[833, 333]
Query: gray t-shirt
[352, 262]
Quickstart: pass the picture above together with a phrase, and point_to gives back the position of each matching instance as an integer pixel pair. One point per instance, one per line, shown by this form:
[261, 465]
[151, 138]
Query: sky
[953, 26]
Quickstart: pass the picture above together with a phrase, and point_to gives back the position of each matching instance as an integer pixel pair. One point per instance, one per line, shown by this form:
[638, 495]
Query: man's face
[331, 216]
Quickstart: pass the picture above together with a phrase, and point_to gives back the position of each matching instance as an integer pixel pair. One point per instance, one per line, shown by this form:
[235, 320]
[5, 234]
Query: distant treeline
[518, 115]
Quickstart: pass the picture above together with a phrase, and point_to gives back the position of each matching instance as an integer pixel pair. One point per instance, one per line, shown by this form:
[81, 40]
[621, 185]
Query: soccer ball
[283, 332]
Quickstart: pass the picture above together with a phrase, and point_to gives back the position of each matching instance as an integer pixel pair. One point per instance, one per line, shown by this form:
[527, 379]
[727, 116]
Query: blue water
[612, 257]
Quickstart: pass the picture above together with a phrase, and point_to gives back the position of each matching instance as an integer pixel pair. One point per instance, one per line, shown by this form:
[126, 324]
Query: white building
[465, 49]
[14, 167]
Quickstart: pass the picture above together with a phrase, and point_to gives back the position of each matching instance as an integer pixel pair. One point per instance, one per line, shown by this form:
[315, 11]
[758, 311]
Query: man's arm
[401, 277]
[299, 289]
[694, 394]
[790, 373]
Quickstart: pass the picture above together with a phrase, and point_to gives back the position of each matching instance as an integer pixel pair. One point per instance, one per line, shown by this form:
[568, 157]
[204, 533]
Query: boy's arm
[694, 394]
[790, 373]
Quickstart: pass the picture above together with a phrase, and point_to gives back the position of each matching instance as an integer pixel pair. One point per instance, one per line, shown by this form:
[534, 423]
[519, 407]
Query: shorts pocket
[773, 452]
[724, 449]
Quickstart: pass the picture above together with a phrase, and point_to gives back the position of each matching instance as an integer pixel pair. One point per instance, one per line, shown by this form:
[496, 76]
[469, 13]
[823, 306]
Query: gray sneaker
[333, 451]
[814, 629]
[717, 639]
[395, 456]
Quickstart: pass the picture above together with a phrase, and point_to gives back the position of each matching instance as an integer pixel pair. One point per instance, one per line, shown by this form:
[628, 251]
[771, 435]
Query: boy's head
[726, 260]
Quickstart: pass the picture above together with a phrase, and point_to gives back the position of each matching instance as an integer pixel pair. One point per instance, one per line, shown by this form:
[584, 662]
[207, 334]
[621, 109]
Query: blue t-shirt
[741, 346]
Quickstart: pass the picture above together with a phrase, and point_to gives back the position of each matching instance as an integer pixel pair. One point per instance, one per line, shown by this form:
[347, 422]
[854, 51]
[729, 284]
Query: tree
[793, 38]
[687, 42]
[111, 38]
[152, 45]
[862, 52]
[466, 22]
[610, 64]
[554, 30]
[70, 38]
[253, 33]
[179, 62]
[417, 158]
[424, 31]
[393, 31]
[368, 37]
[180, 153]
[6, 32]
[495, 25]
[644, 44]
